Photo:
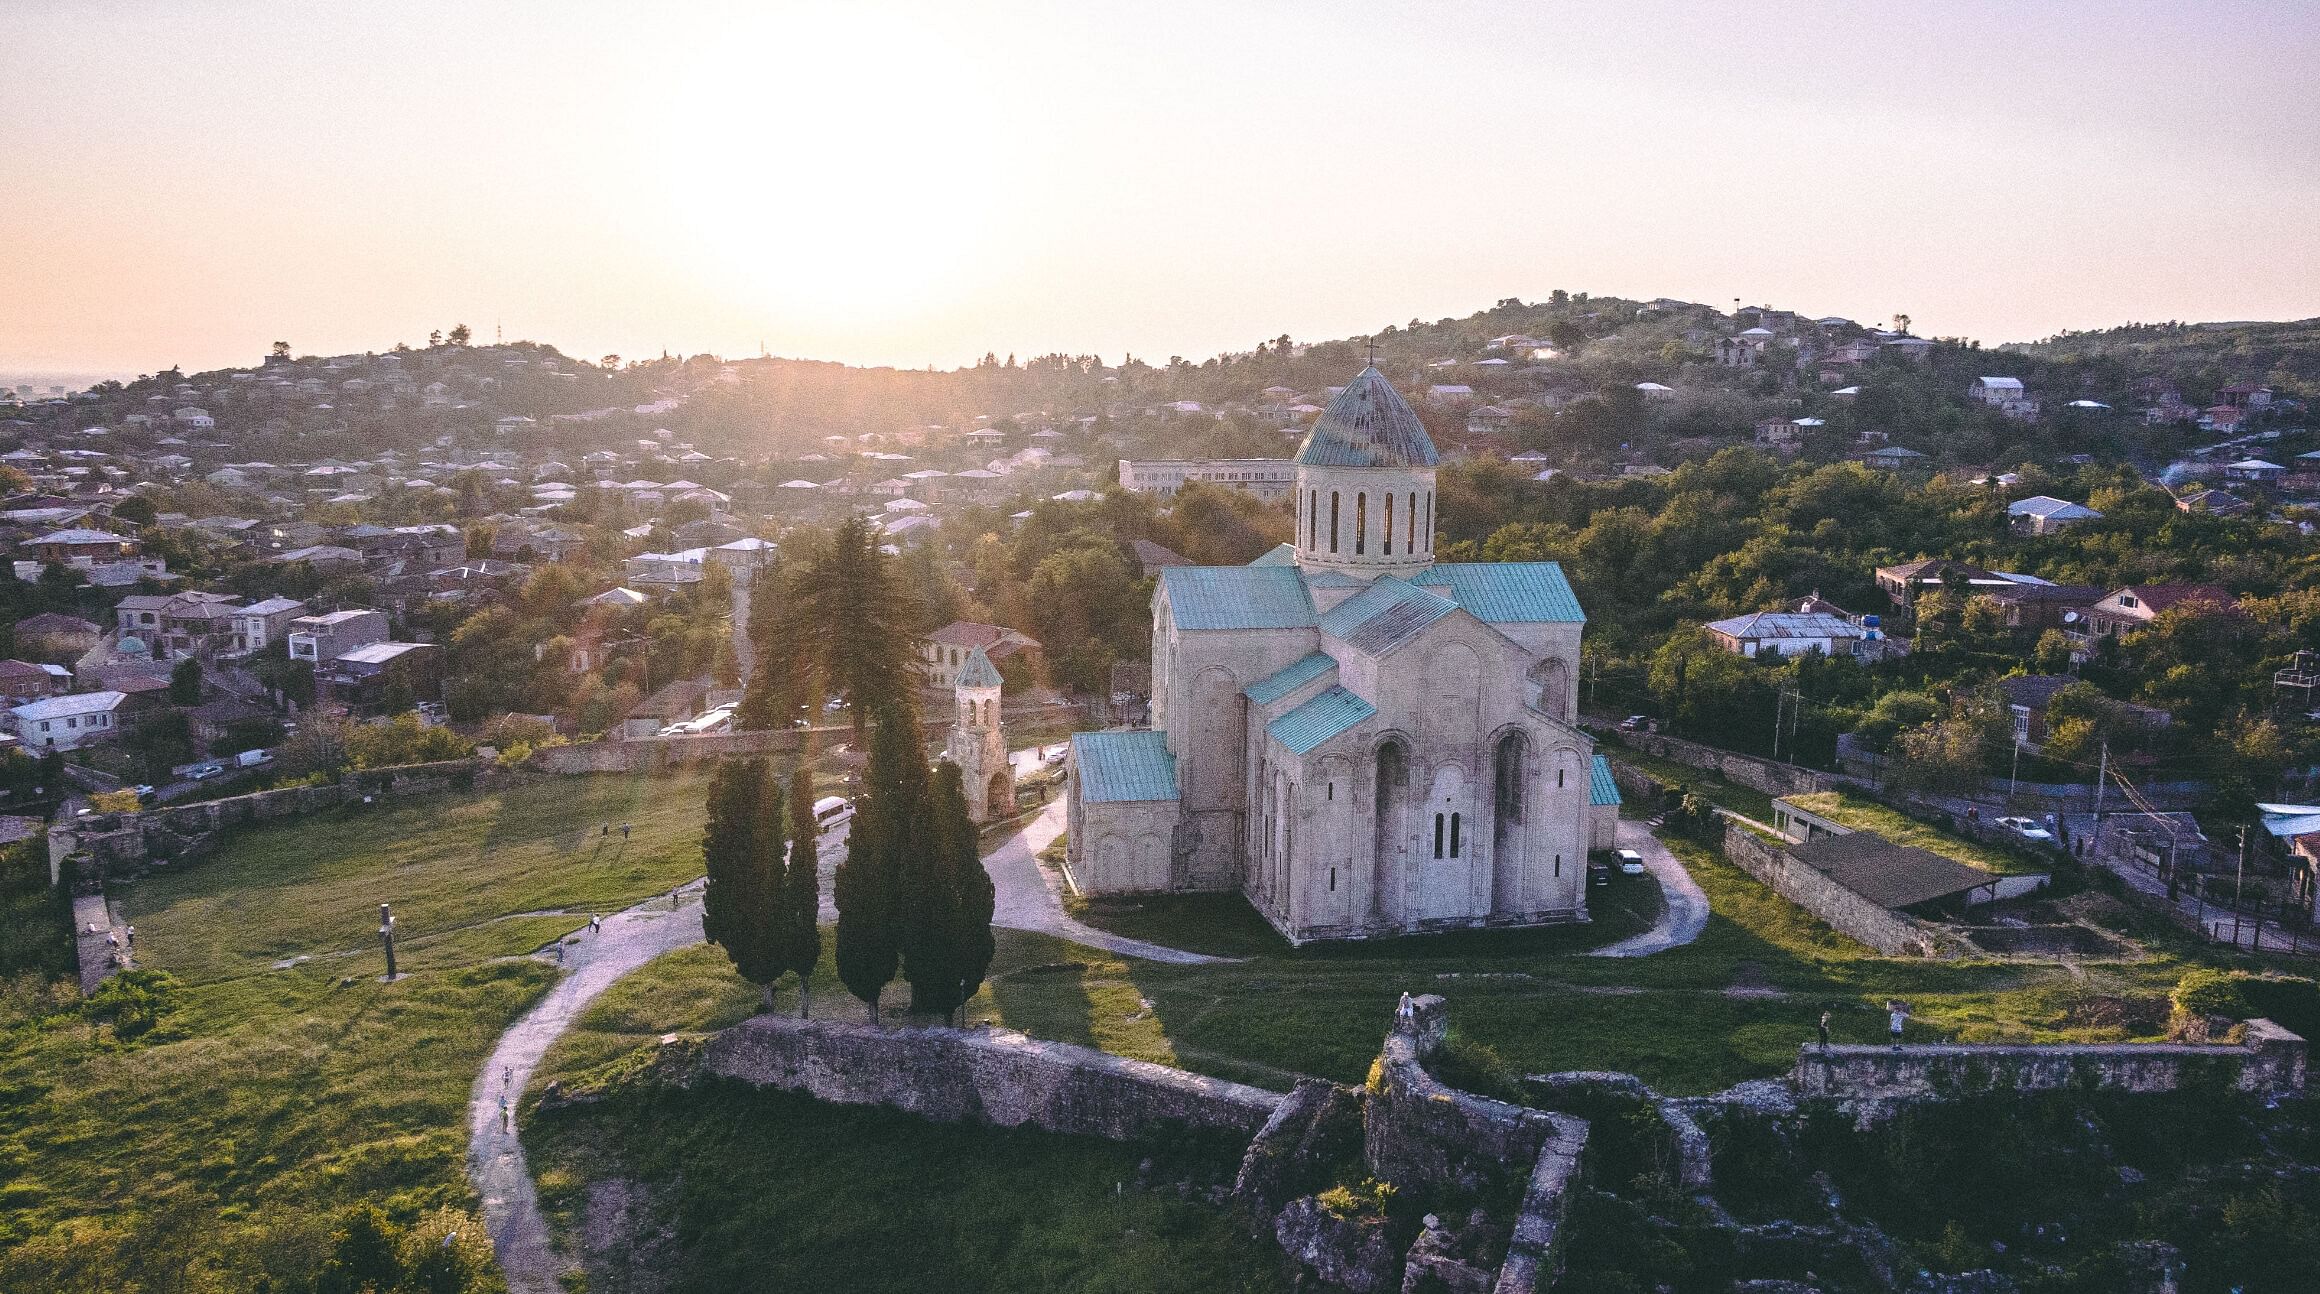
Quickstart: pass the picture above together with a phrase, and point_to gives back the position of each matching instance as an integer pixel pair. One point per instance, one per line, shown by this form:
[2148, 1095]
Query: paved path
[495, 1158]
[1027, 897]
[1683, 907]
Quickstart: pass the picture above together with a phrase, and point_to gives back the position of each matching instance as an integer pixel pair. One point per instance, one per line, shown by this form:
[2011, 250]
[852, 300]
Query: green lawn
[1863, 814]
[1745, 801]
[221, 1145]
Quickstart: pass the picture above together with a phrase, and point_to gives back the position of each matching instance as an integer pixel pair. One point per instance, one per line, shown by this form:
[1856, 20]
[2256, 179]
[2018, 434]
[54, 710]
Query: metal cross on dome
[1373, 352]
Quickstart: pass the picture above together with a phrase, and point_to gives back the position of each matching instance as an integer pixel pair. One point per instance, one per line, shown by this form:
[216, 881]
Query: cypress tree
[947, 904]
[888, 827]
[741, 846]
[801, 889]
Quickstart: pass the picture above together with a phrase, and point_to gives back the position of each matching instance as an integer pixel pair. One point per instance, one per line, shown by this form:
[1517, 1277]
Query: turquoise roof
[1281, 683]
[1369, 424]
[1507, 592]
[978, 671]
[1277, 555]
[1601, 789]
[1237, 597]
[1382, 616]
[1123, 766]
[1319, 719]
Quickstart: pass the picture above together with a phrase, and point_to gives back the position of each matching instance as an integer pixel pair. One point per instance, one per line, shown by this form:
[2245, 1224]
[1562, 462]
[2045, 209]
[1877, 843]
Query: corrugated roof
[1507, 592]
[1381, 616]
[1319, 719]
[1282, 682]
[1237, 597]
[1787, 624]
[1885, 873]
[1277, 555]
[1601, 789]
[1368, 424]
[978, 671]
[1123, 766]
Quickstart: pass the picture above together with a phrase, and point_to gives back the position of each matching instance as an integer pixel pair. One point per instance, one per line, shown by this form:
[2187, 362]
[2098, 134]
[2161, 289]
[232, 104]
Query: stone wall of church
[1124, 847]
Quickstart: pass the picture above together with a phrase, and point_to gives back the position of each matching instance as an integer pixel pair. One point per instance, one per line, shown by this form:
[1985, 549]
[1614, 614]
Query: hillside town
[880, 648]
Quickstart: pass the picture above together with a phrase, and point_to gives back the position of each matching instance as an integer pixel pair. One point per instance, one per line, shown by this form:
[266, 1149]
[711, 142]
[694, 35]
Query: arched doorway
[999, 799]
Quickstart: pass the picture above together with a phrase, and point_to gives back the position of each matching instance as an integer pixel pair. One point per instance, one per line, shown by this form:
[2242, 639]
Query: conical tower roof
[1369, 424]
[978, 671]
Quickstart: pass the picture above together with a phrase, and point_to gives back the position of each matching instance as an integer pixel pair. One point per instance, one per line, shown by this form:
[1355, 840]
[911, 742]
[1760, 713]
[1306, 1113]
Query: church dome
[1369, 424]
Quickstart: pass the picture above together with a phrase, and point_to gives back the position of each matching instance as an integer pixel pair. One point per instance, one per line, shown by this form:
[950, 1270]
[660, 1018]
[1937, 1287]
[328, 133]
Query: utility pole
[2238, 886]
[2101, 779]
[387, 937]
[2014, 774]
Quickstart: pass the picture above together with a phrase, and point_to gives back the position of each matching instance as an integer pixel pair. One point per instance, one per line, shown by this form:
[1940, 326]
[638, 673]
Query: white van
[831, 810]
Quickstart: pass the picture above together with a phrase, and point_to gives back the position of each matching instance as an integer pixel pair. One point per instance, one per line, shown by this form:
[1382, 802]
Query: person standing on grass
[624, 831]
[1897, 1014]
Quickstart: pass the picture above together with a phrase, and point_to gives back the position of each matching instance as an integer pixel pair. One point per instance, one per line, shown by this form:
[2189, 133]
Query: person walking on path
[505, 1123]
[595, 924]
[1897, 1014]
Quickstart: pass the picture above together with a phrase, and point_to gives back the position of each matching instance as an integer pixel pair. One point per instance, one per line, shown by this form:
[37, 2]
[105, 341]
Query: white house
[2042, 514]
[1787, 633]
[68, 722]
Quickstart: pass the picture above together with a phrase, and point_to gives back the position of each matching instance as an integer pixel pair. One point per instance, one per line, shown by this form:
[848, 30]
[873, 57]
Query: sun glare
[823, 169]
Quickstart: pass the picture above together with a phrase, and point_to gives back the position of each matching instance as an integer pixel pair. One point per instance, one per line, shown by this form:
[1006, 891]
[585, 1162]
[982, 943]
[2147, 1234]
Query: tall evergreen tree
[947, 901]
[889, 826]
[742, 847]
[840, 618]
[801, 889]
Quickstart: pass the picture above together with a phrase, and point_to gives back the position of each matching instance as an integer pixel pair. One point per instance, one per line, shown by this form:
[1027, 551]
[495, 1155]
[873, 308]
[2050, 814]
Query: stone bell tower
[978, 744]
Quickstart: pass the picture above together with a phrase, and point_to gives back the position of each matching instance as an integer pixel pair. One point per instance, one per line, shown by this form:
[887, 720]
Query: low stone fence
[1848, 913]
[992, 1076]
[2269, 1062]
[659, 754]
[127, 844]
[1768, 776]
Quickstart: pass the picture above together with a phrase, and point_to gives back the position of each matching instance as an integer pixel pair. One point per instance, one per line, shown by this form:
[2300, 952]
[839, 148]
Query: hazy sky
[186, 182]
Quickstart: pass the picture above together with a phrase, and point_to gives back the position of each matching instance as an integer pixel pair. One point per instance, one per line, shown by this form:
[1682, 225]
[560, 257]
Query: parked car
[1630, 862]
[2028, 829]
[1635, 723]
[1054, 754]
[253, 759]
[1598, 874]
[203, 772]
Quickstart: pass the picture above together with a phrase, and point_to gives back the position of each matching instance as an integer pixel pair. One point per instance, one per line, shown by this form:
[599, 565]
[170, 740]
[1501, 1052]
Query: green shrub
[2203, 993]
[1368, 1198]
[133, 1001]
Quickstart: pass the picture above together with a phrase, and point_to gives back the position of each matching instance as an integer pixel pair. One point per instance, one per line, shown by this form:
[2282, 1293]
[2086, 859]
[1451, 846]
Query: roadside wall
[1764, 775]
[2269, 1062]
[992, 1076]
[1879, 927]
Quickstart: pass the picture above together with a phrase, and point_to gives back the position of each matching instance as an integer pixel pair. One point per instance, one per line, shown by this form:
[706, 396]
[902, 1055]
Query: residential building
[2043, 514]
[1488, 420]
[2035, 608]
[1892, 458]
[365, 678]
[1267, 478]
[23, 681]
[260, 624]
[944, 652]
[2128, 609]
[321, 639]
[62, 723]
[1787, 633]
[2254, 471]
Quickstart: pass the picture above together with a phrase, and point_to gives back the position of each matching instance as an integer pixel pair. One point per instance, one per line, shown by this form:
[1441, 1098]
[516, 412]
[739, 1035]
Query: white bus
[831, 810]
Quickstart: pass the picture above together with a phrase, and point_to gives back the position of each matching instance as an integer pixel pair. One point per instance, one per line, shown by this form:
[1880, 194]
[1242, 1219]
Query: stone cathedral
[1362, 740]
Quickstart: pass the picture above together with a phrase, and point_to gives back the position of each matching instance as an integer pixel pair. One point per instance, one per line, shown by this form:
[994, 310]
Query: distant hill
[2198, 355]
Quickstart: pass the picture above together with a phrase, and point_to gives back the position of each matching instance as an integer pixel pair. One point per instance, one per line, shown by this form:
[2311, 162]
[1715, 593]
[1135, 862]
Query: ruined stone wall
[2269, 1062]
[992, 1076]
[125, 845]
[1418, 1131]
[1879, 927]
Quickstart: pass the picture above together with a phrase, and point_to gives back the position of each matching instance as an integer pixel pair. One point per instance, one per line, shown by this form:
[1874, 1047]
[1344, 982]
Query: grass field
[219, 1146]
[1863, 814]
